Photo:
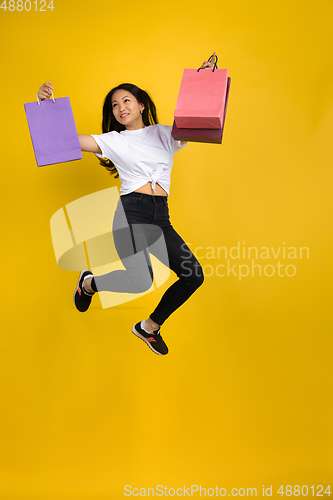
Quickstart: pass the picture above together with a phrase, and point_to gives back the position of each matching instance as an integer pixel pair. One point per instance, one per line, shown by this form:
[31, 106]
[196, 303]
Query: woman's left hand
[209, 64]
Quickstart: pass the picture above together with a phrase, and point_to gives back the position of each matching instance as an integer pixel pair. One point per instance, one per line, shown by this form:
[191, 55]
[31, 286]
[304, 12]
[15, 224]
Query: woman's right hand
[44, 92]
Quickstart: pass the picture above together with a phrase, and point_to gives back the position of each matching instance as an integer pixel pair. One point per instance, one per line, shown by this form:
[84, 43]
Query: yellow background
[244, 397]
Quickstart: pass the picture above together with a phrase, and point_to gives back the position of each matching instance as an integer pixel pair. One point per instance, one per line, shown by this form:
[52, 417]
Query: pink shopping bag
[201, 99]
[201, 134]
[52, 130]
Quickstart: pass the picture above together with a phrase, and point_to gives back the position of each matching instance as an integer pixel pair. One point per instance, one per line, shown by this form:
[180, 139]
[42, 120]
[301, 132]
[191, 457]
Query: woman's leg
[132, 247]
[133, 235]
[190, 274]
[133, 232]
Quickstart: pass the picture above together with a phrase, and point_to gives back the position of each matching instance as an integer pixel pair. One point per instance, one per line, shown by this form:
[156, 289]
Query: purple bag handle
[38, 101]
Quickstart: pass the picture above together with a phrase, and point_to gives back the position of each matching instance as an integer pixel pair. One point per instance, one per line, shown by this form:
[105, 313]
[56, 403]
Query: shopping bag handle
[215, 63]
[39, 100]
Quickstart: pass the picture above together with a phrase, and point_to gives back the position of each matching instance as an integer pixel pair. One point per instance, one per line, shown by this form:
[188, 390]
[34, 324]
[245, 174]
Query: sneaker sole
[145, 341]
[77, 286]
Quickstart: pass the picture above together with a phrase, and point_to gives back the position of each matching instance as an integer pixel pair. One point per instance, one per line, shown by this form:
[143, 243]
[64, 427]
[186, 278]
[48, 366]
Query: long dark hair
[109, 123]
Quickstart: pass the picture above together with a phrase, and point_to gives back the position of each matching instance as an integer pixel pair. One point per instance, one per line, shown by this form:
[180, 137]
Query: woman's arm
[87, 143]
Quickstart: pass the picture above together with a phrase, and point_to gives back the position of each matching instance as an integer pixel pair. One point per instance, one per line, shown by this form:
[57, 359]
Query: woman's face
[127, 110]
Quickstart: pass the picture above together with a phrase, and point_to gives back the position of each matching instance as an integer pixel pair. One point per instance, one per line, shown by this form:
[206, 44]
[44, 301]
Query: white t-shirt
[140, 156]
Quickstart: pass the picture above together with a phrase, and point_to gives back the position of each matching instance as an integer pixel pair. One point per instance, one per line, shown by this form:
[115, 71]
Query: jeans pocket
[130, 199]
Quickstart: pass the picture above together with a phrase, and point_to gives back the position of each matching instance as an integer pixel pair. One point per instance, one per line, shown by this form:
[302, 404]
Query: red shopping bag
[202, 98]
[201, 134]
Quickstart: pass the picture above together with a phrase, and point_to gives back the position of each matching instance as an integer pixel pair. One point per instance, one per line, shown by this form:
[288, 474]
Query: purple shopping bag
[52, 130]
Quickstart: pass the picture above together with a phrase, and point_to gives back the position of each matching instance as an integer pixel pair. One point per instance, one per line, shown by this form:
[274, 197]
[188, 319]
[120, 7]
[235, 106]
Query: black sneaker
[153, 340]
[82, 299]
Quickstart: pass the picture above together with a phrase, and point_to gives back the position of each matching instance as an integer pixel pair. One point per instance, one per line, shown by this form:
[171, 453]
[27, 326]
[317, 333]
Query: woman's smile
[127, 109]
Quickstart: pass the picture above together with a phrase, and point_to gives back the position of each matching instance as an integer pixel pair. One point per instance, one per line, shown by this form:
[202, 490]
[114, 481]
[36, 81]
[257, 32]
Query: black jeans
[142, 226]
